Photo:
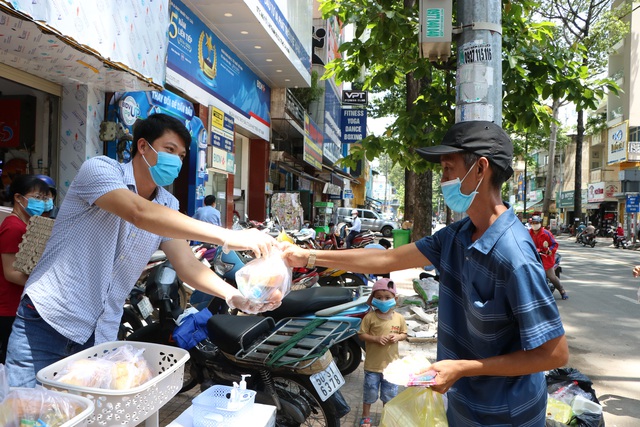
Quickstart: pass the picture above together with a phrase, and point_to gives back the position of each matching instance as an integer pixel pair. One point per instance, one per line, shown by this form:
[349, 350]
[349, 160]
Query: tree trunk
[423, 195]
[548, 189]
[409, 185]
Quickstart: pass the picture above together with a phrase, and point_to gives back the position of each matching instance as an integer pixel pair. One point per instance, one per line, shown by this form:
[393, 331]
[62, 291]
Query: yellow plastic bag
[415, 407]
[284, 237]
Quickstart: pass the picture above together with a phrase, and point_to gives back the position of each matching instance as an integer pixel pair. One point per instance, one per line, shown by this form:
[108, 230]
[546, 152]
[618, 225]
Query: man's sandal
[565, 296]
[365, 422]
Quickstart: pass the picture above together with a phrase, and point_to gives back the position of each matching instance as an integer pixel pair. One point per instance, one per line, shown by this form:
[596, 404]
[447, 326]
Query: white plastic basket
[211, 407]
[132, 406]
[82, 418]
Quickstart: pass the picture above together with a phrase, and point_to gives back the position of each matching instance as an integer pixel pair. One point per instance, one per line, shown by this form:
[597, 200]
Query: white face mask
[536, 227]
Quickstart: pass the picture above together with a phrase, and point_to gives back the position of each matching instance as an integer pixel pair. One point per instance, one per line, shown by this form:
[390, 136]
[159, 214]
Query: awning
[341, 173]
[35, 46]
[531, 207]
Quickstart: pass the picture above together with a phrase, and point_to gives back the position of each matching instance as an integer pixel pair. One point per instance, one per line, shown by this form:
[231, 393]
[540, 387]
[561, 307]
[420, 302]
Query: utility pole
[479, 76]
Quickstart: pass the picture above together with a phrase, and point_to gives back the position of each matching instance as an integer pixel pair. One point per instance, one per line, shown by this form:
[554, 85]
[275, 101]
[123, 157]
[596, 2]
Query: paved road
[602, 324]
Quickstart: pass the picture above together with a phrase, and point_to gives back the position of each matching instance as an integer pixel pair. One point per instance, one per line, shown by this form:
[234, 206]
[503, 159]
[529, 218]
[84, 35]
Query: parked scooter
[340, 304]
[305, 302]
[300, 389]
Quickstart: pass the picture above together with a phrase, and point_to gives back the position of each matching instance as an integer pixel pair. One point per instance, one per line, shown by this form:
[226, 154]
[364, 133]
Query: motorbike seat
[310, 300]
[234, 333]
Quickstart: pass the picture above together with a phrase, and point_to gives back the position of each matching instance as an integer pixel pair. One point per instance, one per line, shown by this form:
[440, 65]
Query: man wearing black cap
[498, 328]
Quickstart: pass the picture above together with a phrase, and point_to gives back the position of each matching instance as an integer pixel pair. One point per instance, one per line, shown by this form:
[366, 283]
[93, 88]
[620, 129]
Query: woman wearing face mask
[27, 194]
[547, 246]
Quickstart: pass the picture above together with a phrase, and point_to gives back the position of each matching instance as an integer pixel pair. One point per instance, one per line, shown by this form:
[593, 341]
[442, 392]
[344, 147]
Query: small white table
[259, 416]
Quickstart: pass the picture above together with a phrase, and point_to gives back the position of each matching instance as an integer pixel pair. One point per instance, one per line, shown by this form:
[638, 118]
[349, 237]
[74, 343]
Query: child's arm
[375, 339]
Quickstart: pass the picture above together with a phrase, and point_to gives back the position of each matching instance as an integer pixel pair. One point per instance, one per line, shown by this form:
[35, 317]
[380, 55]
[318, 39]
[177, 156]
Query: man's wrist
[311, 261]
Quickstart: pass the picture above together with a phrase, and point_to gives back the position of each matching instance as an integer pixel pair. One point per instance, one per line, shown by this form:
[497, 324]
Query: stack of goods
[33, 243]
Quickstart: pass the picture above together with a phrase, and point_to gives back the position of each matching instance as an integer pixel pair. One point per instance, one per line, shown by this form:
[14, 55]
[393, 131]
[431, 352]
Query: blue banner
[127, 107]
[353, 124]
[198, 55]
[632, 204]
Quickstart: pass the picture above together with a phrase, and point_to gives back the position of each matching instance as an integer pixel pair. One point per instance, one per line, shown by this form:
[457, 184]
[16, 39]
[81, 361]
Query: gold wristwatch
[311, 262]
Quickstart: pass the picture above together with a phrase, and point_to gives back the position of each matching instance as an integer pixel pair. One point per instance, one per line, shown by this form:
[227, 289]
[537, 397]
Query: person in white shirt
[356, 226]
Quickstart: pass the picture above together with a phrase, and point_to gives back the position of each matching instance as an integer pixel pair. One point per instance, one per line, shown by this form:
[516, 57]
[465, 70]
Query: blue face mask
[166, 169]
[383, 306]
[454, 198]
[48, 205]
[34, 206]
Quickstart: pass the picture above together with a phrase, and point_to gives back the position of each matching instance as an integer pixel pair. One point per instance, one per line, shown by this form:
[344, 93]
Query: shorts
[374, 382]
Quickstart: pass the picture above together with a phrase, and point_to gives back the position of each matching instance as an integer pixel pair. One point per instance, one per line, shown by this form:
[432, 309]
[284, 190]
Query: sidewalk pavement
[352, 389]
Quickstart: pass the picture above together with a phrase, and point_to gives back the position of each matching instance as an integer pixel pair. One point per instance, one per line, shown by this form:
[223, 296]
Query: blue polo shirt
[493, 301]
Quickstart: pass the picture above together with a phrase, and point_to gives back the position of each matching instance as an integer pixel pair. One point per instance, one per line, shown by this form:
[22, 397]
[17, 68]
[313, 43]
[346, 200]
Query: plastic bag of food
[121, 369]
[416, 407]
[37, 407]
[410, 370]
[265, 280]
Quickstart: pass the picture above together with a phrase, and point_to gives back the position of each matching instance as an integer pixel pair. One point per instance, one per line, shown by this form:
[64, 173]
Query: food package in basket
[38, 407]
[265, 280]
[409, 371]
[122, 369]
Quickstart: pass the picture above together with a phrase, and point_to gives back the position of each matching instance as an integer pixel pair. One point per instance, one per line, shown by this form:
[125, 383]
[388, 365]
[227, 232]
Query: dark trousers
[350, 237]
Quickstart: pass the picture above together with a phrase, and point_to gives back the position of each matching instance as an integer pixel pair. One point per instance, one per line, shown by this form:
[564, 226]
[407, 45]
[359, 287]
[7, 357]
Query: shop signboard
[617, 143]
[332, 146]
[200, 64]
[632, 203]
[127, 107]
[565, 199]
[222, 129]
[595, 192]
[347, 194]
[353, 124]
[313, 140]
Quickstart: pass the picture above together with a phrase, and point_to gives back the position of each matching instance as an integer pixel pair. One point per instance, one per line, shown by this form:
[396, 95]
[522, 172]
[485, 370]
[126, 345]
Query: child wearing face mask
[546, 245]
[381, 330]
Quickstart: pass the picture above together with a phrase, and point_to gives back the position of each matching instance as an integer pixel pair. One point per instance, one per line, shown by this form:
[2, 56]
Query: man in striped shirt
[498, 327]
[112, 219]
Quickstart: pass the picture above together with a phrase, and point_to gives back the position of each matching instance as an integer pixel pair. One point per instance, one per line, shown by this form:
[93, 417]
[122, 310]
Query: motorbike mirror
[166, 275]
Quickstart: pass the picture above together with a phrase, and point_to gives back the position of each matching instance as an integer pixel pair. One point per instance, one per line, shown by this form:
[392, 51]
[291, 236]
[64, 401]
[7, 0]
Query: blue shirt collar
[488, 240]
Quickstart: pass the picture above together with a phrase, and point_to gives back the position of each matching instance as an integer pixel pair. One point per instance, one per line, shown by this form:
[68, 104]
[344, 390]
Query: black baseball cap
[485, 139]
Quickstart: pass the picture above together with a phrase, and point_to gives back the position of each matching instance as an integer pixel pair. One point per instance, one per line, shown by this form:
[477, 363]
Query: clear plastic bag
[36, 407]
[265, 280]
[416, 407]
[122, 369]
[410, 370]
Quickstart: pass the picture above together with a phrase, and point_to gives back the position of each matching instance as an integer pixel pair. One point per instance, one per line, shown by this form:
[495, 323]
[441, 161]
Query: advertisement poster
[198, 56]
[617, 143]
[221, 129]
[312, 143]
[332, 147]
[127, 107]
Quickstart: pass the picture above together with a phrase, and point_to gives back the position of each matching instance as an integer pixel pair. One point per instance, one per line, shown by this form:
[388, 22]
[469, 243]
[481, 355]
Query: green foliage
[306, 95]
[537, 68]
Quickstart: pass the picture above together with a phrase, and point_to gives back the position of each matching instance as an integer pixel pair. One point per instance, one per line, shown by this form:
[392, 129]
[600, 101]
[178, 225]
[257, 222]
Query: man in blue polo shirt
[498, 328]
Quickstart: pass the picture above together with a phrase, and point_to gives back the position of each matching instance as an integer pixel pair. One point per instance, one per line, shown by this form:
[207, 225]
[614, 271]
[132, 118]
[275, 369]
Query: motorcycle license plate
[145, 307]
[328, 381]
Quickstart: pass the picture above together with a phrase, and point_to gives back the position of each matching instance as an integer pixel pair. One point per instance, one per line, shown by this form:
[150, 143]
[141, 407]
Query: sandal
[365, 422]
[565, 296]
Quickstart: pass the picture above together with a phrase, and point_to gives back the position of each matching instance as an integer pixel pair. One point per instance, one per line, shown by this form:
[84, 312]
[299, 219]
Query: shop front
[54, 74]
[202, 67]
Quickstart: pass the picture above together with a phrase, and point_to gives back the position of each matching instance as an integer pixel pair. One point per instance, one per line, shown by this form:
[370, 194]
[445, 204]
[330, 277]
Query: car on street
[371, 220]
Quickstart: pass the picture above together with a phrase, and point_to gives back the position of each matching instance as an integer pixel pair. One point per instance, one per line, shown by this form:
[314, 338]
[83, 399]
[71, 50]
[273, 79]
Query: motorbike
[620, 242]
[302, 382]
[349, 305]
[586, 240]
[303, 302]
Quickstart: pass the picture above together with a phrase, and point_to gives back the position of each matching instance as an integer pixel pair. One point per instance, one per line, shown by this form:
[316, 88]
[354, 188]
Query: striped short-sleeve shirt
[93, 257]
[493, 301]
